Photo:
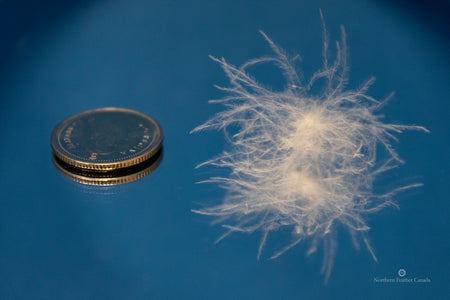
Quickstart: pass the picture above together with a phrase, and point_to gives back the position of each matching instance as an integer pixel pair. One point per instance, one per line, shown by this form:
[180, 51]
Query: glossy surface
[140, 240]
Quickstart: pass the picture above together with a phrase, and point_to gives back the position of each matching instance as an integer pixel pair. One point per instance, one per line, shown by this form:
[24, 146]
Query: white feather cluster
[300, 160]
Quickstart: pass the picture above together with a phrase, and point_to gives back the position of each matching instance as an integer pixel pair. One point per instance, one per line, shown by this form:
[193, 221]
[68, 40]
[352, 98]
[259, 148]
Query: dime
[106, 139]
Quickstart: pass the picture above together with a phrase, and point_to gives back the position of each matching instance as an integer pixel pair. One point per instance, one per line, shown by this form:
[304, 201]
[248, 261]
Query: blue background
[63, 240]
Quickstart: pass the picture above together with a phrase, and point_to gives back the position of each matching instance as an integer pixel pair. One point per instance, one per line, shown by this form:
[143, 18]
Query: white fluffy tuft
[301, 160]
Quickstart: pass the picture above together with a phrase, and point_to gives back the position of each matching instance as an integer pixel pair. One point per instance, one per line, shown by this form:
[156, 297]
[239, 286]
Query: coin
[106, 139]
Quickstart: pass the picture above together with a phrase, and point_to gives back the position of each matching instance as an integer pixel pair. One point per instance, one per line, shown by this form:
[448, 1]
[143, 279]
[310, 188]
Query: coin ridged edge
[109, 180]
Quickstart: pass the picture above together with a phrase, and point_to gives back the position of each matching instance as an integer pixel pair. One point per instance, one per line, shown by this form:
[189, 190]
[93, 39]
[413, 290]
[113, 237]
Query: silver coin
[106, 139]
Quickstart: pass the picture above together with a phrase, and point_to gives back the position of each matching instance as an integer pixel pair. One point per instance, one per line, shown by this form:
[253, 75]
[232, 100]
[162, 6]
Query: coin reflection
[114, 177]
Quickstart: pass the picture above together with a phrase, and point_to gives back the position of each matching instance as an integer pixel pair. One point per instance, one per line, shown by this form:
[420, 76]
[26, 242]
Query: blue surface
[62, 240]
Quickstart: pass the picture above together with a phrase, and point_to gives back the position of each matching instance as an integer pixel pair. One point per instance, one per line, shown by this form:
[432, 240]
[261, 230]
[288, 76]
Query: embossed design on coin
[106, 139]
